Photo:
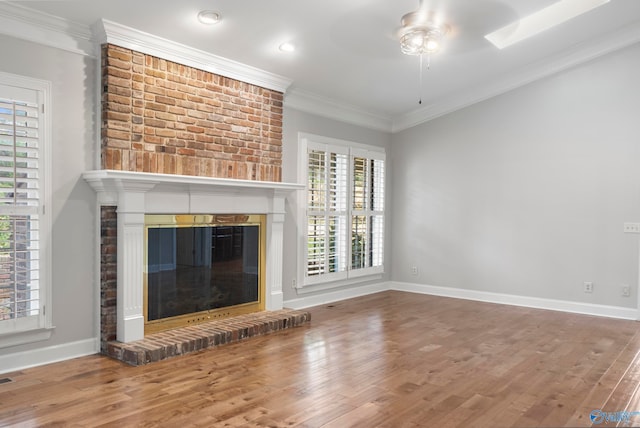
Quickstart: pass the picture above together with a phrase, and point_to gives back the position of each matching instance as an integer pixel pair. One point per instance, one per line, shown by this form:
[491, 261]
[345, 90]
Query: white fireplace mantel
[136, 194]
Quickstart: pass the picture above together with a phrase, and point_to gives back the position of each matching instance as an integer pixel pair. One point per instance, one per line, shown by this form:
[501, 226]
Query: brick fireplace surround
[159, 119]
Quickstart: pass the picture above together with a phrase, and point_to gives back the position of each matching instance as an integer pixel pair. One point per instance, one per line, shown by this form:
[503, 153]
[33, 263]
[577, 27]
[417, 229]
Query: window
[344, 214]
[23, 226]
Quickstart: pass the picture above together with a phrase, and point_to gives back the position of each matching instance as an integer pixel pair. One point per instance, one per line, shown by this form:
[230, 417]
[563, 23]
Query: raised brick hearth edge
[182, 341]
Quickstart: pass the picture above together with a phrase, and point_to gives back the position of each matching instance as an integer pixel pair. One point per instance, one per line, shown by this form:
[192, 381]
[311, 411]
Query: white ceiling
[348, 57]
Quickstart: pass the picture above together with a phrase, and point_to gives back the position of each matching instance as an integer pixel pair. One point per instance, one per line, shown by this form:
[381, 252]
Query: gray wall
[294, 122]
[527, 193]
[73, 201]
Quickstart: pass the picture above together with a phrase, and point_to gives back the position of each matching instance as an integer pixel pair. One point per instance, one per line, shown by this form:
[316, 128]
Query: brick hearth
[181, 341]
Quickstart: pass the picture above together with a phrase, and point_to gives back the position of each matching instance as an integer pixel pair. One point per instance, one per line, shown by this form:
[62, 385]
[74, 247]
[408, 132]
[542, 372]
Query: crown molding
[35, 26]
[110, 32]
[579, 54]
[325, 107]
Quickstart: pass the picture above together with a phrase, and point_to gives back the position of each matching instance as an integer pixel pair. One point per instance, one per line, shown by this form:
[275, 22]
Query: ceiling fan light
[421, 41]
[415, 39]
[432, 45]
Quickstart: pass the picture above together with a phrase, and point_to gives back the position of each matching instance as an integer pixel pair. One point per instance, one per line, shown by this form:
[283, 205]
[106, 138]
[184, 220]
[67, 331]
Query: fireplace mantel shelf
[115, 181]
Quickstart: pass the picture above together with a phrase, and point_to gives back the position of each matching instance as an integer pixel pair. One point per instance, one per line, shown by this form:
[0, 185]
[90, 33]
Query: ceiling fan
[421, 34]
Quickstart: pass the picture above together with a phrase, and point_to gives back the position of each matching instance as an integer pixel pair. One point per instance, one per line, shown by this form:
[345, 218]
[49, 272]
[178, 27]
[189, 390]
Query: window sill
[24, 337]
[321, 286]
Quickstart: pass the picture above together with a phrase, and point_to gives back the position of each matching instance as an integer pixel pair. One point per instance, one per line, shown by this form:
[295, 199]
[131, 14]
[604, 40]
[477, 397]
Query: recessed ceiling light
[209, 17]
[287, 47]
[541, 20]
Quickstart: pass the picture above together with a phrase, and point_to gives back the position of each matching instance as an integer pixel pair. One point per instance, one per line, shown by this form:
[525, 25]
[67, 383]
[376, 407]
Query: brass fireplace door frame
[203, 220]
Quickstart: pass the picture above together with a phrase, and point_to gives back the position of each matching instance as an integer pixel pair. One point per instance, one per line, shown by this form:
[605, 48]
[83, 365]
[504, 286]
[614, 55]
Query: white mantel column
[274, 248]
[275, 230]
[131, 210]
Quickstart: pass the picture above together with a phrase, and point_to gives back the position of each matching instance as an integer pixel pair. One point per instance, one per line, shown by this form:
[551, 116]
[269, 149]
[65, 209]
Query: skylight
[540, 21]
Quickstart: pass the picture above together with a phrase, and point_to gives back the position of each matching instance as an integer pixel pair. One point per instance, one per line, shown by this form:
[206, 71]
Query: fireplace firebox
[202, 267]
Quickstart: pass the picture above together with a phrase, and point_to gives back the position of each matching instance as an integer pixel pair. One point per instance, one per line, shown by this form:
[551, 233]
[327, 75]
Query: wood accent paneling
[387, 360]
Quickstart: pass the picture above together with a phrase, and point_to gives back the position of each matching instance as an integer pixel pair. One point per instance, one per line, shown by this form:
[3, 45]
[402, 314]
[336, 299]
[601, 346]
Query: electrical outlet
[588, 287]
[293, 283]
[632, 228]
[414, 270]
[626, 290]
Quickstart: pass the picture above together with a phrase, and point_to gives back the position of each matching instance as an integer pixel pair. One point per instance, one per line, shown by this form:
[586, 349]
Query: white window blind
[344, 212]
[21, 292]
[327, 213]
[367, 215]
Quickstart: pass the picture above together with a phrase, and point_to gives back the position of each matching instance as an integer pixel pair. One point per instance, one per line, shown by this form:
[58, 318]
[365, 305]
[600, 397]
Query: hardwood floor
[387, 360]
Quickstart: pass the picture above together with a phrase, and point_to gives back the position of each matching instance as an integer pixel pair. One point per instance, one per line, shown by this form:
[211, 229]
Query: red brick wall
[108, 274]
[160, 116]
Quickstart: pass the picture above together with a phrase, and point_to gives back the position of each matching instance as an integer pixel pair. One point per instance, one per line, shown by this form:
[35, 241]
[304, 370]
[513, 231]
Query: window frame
[305, 283]
[15, 332]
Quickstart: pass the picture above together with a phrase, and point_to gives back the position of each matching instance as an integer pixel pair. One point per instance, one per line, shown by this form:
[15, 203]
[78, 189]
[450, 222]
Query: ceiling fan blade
[541, 20]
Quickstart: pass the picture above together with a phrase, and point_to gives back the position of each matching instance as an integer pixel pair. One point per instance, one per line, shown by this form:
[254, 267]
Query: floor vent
[5, 380]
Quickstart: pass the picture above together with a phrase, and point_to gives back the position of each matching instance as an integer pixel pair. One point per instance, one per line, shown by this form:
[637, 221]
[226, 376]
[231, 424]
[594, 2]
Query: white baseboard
[50, 354]
[460, 293]
[510, 299]
[335, 296]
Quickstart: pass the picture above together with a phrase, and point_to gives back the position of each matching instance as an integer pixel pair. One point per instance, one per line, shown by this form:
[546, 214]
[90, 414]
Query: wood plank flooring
[387, 360]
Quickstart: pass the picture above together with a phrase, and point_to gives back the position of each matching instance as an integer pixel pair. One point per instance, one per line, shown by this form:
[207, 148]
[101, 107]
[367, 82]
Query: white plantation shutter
[21, 291]
[377, 212]
[338, 227]
[316, 224]
[326, 212]
[345, 212]
[359, 227]
[367, 215]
